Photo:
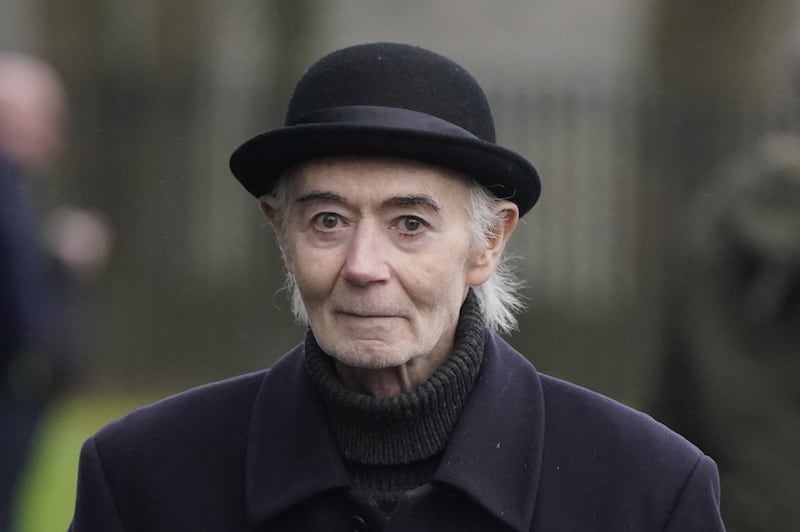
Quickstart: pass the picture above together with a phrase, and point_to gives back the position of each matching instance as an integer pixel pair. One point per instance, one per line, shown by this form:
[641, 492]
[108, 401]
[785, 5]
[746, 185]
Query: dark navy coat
[530, 452]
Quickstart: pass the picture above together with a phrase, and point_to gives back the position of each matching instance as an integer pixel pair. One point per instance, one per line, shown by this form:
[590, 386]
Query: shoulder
[602, 464]
[578, 420]
[580, 424]
[193, 444]
[203, 414]
[603, 455]
[574, 412]
[585, 430]
[209, 415]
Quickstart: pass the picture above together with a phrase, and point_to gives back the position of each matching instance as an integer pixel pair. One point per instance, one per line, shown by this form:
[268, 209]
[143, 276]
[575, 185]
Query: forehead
[363, 178]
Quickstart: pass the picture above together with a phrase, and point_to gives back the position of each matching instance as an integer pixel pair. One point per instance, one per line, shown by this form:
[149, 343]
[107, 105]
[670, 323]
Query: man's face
[382, 256]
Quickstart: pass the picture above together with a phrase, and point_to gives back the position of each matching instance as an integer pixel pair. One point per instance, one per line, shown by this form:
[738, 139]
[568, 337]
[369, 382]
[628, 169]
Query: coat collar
[494, 454]
[495, 451]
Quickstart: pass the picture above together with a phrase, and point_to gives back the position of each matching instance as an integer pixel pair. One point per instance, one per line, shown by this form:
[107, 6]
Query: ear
[269, 207]
[485, 259]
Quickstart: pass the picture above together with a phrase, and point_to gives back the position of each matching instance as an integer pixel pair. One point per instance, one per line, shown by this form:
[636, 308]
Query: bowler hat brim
[262, 160]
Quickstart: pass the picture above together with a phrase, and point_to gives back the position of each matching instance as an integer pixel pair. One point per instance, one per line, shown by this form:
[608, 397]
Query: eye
[411, 224]
[327, 220]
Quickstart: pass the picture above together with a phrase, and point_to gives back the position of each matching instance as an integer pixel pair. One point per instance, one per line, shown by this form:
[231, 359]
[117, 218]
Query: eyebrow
[417, 200]
[320, 195]
[414, 200]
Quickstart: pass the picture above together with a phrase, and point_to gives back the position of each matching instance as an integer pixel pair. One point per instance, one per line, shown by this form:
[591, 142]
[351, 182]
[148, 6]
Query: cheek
[287, 249]
[441, 279]
[314, 271]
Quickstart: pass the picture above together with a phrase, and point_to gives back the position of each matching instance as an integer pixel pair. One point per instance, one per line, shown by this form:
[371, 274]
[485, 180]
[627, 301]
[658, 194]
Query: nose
[366, 257]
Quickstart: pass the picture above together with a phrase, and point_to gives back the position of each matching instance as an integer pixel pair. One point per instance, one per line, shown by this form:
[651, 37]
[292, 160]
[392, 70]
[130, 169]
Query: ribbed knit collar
[409, 427]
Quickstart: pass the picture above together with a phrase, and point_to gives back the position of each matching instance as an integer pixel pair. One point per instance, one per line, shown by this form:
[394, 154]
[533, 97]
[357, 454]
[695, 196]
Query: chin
[367, 354]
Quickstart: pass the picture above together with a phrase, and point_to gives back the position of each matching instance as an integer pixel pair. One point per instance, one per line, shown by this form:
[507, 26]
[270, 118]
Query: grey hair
[499, 296]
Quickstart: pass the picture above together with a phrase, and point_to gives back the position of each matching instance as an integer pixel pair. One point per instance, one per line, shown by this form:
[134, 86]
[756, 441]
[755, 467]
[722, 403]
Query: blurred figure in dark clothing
[31, 111]
[33, 341]
[729, 380]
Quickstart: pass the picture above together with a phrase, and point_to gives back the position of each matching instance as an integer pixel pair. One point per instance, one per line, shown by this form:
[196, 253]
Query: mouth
[367, 312]
[367, 316]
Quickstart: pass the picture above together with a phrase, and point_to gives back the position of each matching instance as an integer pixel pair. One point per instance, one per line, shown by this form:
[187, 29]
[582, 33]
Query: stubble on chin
[367, 354]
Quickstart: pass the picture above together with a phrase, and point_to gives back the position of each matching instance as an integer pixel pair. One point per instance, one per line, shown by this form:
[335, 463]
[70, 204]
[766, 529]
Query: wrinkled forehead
[365, 177]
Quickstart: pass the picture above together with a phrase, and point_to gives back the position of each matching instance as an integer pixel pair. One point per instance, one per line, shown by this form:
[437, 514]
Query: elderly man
[402, 409]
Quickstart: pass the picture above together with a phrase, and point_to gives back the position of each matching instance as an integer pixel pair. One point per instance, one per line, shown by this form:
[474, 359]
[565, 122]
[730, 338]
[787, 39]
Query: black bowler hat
[395, 100]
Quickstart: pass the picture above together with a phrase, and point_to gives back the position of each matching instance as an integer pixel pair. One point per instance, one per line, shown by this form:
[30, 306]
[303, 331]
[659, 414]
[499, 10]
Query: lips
[365, 311]
[371, 315]
[372, 307]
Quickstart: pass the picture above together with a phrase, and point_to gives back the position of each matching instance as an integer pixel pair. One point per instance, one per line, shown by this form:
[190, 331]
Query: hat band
[384, 117]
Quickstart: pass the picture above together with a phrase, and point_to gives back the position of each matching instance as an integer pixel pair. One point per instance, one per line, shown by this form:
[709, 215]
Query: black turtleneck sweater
[394, 444]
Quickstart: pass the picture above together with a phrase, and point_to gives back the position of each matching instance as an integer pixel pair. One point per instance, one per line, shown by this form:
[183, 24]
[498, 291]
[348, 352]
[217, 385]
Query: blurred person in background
[403, 409]
[729, 376]
[34, 279]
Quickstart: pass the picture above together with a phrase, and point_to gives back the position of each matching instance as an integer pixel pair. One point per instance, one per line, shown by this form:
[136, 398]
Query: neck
[408, 427]
[387, 382]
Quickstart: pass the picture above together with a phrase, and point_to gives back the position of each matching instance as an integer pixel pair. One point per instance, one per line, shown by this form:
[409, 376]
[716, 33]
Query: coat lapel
[291, 452]
[495, 452]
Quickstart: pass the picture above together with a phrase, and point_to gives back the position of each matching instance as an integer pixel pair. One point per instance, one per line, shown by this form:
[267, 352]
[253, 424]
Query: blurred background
[647, 120]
